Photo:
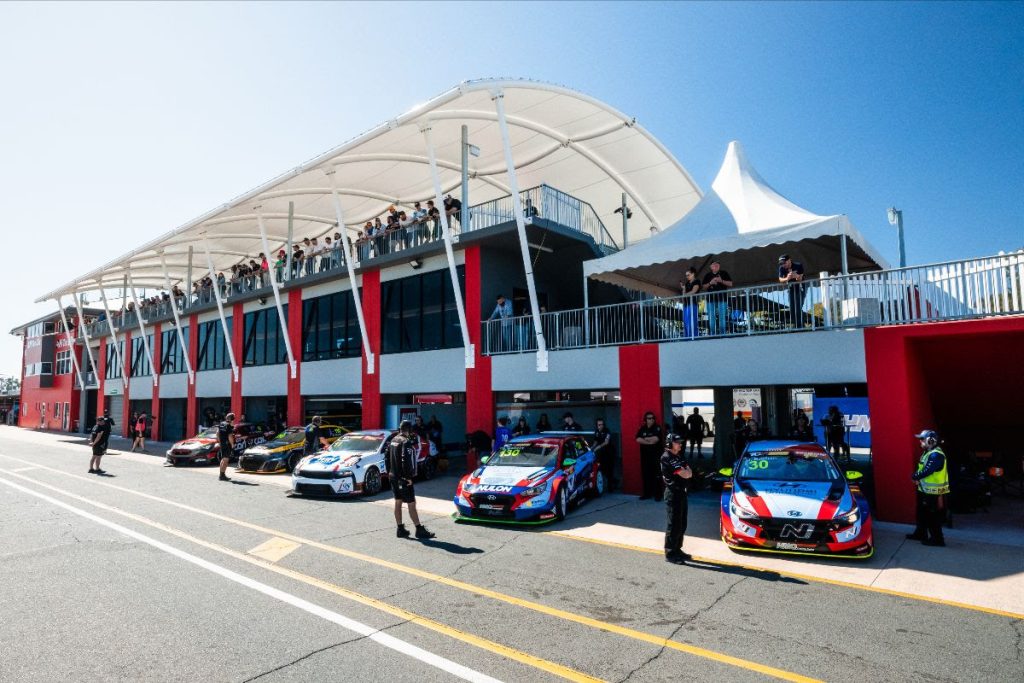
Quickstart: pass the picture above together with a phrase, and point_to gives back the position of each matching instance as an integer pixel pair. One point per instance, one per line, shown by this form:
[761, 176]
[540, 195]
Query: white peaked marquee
[747, 225]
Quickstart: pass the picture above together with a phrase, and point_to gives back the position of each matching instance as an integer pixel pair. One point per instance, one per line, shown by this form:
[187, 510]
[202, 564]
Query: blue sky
[121, 121]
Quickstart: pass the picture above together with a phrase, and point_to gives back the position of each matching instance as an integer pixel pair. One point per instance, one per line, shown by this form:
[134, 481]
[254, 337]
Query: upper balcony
[544, 208]
[957, 290]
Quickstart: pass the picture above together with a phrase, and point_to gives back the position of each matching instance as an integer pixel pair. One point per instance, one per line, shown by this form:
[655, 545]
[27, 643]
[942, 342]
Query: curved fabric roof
[559, 137]
[746, 224]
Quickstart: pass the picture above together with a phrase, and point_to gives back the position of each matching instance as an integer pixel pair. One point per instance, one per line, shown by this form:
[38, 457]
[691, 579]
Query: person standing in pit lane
[402, 452]
[932, 479]
[604, 448]
[649, 438]
[676, 475]
[98, 441]
[314, 439]
[226, 443]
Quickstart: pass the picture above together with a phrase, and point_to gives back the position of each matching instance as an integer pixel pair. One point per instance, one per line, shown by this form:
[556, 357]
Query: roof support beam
[113, 338]
[220, 311]
[71, 343]
[277, 298]
[251, 217]
[85, 330]
[142, 330]
[415, 159]
[517, 208]
[177, 321]
[345, 191]
[470, 351]
[349, 255]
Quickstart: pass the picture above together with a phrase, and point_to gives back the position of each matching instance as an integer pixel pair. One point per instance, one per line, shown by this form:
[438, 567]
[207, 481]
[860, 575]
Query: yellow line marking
[436, 626]
[803, 577]
[478, 590]
[275, 549]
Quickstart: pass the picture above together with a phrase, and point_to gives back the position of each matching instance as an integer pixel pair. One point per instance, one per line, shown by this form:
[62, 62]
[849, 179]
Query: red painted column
[126, 382]
[479, 392]
[237, 345]
[898, 403]
[295, 412]
[101, 374]
[191, 405]
[640, 388]
[373, 404]
[154, 411]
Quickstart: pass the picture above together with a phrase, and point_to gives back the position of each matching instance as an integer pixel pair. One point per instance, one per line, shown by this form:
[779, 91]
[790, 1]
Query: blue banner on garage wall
[855, 412]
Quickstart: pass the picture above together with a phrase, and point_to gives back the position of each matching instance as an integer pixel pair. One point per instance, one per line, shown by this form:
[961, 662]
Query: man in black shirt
[676, 475]
[98, 441]
[604, 448]
[715, 283]
[314, 440]
[695, 429]
[226, 443]
[402, 452]
[569, 424]
[792, 273]
[649, 438]
[453, 207]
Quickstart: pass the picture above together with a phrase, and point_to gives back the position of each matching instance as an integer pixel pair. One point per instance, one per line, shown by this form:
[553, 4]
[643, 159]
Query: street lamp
[896, 218]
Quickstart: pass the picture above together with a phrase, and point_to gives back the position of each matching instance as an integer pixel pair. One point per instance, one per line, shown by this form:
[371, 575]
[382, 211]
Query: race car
[530, 480]
[355, 463]
[284, 451]
[790, 497]
[202, 449]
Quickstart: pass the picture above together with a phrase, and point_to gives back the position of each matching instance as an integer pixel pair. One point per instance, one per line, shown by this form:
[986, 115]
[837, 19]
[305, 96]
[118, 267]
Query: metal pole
[71, 343]
[625, 222]
[177, 320]
[446, 233]
[142, 331]
[220, 310]
[113, 338]
[85, 331]
[350, 262]
[517, 208]
[465, 218]
[277, 297]
[586, 311]
[903, 246]
[124, 292]
[288, 252]
[188, 287]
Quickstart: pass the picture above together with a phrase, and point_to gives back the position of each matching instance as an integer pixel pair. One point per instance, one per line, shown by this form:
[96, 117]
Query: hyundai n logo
[801, 531]
[492, 498]
[795, 513]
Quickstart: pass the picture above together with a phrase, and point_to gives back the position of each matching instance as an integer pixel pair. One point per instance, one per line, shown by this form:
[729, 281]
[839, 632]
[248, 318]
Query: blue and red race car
[790, 497]
[530, 480]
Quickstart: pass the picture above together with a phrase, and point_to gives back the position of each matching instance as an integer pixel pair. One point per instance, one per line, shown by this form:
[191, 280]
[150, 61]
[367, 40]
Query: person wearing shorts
[402, 453]
[98, 441]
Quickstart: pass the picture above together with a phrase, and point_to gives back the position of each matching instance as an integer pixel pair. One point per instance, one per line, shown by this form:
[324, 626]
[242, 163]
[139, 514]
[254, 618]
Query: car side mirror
[725, 471]
[853, 476]
[568, 462]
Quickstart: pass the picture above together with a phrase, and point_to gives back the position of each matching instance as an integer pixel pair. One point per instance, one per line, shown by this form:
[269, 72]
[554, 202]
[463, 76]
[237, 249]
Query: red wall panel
[154, 411]
[640, 386]
[373, 404]
[295, 414]
[191, 405]
[479, 392]
[237, 346]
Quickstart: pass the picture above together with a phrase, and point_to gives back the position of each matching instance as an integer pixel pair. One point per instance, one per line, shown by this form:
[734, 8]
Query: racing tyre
[599, 485]
[371, 482]
[293, 461]
[561, 503]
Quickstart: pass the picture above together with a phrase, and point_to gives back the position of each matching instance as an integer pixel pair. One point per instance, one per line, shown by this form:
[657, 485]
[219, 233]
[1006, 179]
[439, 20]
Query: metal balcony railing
[957, 290]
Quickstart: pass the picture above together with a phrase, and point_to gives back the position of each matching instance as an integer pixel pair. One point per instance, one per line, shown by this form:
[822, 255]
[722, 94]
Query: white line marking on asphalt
[368, 632]
[25, 469]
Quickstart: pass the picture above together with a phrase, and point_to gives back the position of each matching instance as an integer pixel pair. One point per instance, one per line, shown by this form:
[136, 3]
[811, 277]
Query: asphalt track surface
[155, 573]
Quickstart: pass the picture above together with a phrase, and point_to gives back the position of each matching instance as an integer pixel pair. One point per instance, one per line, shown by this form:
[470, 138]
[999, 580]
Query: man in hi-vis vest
[932, 477]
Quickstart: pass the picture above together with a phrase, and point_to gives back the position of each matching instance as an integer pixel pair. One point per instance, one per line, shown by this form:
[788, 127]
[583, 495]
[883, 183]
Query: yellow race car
[281, 453]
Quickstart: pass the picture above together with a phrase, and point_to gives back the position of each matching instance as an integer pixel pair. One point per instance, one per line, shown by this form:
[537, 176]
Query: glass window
[140, 360]
[213, 351]
[330, 328]
[113, 366]
[63, 362]
[264, 338]
[419, 313]
[172, 357]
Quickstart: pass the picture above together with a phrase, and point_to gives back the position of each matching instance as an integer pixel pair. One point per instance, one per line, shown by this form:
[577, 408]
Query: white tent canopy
[746, 224]
[560, 137]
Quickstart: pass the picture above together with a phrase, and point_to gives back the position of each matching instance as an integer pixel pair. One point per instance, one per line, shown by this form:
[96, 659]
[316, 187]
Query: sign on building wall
[855, 414]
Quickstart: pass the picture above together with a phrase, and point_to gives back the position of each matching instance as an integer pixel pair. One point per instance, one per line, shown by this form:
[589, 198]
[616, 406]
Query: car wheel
[561, 503]
[293, 461]
[598, 487]
[371, 482]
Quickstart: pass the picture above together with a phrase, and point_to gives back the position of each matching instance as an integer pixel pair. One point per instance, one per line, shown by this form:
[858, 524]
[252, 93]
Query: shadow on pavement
[238, 482]
[453, 548]
[750, 573]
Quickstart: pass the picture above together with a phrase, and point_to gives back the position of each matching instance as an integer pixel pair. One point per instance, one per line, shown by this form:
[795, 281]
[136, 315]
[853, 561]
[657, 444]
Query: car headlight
[848, 517]
[534, 491]
[349, 462]
[741, 512]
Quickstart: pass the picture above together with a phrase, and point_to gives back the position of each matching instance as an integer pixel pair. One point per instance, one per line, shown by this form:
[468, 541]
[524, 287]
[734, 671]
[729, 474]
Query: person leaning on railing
[690, 287]
[792, 273]
[715, 283]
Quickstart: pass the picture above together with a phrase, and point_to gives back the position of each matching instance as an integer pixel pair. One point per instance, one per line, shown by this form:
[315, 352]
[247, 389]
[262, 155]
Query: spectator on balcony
[406, 225]
[453, 209]
[297, 255]
[419, 216]
[715, 283]
[308, 256]
[378, 236]
[530, 210]
[279, 265]
[434, 216]
[792, 273]
[690, 287]
[503, 311]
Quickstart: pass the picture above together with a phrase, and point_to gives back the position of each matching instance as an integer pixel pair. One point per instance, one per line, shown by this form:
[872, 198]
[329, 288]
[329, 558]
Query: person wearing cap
[314, 439]
[715, 283]
[932, 478]
[792, 273]
[569, 424]
[226, 441]
[676, 474]
[98, 440]
[402, 452]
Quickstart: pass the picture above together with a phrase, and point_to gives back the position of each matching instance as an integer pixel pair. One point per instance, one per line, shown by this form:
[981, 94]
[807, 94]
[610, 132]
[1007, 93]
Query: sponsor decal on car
[493, 488]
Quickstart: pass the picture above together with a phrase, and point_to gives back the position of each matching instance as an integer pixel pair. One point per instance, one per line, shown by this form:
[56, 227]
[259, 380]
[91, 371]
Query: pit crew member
[402, 454]
[676, 474]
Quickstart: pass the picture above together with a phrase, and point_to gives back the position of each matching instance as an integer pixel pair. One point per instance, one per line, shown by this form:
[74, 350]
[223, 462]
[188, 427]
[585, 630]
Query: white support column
[220, 311]
[446, 232]
[350, 260]
[71, 343]
[113, 338]
[517, 208]
[174, 311]
[142, 331]
[277, 295]
[85, 331]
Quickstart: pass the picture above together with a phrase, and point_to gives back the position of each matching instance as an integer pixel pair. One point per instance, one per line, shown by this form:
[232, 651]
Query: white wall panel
[265, 380]
[423, 372]
[213, 383]
[341, 377]
[174, 386]
[576, 369]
